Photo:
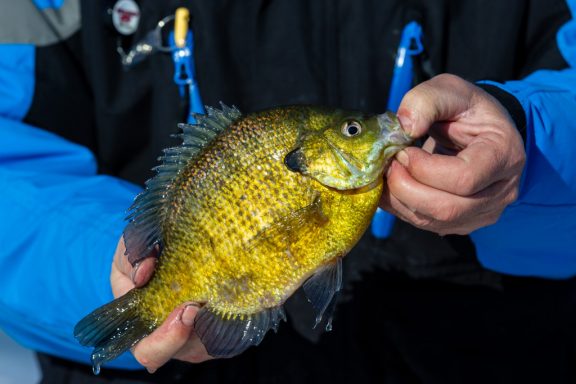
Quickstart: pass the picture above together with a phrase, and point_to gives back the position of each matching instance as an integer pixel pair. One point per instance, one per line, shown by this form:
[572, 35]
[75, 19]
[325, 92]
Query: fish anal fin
[227, 335]
[322, 289]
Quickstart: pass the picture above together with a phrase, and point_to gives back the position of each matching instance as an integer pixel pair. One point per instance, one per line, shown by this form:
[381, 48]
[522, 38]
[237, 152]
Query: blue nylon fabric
[59, 242]
[16, 79]
[64, 220]
[536, 235]
[44, 4]
[61, 223]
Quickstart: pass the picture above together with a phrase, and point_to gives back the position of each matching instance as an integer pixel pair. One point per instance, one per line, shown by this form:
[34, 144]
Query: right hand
[175, 338]
[468, 170]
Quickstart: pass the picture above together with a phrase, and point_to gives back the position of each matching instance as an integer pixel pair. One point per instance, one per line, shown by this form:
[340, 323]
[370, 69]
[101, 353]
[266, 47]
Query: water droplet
[96, 369]
[318, 320]
[329, 325]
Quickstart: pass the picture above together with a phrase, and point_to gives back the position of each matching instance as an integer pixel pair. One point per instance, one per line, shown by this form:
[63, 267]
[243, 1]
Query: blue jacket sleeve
[536, 235]
[59, 229]
[59, 225]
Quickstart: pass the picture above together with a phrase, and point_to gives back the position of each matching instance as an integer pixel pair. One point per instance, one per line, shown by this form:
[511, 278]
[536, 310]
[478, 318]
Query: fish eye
[351, 128]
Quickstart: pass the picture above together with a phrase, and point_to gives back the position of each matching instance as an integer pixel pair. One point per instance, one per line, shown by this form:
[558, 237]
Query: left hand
[469, 168]
[175, 337]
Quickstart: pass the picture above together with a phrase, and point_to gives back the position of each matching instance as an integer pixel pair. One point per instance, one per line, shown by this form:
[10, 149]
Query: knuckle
[449, 81]
[197, 357]
[420, 98]
[446, 213]
[144, 360]
[395, 182]
[463, 231]
[460, 230]
[465, 184]
[492, 219]
[446, 78]
[512, 196]
[421, 222]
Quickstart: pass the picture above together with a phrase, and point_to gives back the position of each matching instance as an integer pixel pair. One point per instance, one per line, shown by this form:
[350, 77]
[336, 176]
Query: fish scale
[247, 210]
[205, 210]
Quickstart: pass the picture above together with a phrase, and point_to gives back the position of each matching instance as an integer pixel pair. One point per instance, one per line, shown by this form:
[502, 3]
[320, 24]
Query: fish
[246, 210]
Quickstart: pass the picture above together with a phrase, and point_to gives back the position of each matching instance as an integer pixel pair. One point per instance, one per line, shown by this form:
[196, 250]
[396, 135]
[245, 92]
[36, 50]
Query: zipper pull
[403, 75]
[402, 81]
[182, 46]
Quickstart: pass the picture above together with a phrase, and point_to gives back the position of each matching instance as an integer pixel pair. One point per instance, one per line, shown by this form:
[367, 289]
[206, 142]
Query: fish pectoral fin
[322, 289]
[279, 235]
[227, 335]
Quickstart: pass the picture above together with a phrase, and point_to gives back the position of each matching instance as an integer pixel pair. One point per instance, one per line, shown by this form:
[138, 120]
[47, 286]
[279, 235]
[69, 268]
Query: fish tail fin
[113, 329]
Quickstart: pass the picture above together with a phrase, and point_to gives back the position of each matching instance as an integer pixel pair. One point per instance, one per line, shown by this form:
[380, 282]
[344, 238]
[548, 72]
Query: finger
[143, 271]
[391, 204]
[470, 171]
[462, 227]
[119, 282]
[193, 351]
[120, 261]
[433, 203]
[138, 273]
[167, 340]
[443, 97]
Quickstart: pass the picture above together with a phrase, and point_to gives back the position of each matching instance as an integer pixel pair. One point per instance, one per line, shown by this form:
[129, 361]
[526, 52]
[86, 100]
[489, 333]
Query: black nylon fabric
[258, 54]
[399, 331]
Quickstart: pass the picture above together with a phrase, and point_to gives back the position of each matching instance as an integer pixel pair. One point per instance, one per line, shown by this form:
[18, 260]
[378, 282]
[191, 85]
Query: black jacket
[257, 54]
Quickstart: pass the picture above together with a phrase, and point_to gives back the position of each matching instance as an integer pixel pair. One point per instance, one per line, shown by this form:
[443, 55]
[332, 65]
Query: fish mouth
[391, 150]
[392, 135]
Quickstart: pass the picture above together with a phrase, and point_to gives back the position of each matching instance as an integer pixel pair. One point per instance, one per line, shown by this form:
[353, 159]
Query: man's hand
[469, 168]
[175, 338]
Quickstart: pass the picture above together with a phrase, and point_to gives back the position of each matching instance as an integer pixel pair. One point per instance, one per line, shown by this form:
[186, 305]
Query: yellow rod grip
[181, 26]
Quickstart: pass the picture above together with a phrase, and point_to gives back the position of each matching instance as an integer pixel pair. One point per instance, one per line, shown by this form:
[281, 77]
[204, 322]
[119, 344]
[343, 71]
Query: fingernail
[406, 124]
[134, 271]
[389, 170]
[403, 158]
[188, 315]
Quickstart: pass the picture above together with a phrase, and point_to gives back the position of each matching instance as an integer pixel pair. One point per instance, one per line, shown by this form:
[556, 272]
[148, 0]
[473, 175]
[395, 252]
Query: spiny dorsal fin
[146, 214]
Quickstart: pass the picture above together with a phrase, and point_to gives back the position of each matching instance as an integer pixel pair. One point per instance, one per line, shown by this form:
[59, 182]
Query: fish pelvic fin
[147, 213]
[112, 329]
[227, 335]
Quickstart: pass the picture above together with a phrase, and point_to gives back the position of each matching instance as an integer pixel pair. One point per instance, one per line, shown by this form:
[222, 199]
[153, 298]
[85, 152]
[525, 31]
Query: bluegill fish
[244, 212]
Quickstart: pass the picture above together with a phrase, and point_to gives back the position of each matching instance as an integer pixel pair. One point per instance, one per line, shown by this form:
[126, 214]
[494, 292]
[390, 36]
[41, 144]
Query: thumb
[141, 271]
[441, 98]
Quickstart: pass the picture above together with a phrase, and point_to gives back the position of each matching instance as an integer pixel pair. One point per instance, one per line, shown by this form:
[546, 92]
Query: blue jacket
[61, 220]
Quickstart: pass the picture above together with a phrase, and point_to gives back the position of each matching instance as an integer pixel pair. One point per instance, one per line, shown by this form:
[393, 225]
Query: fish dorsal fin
[146, 214]
[229, 335]
[321, 290]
